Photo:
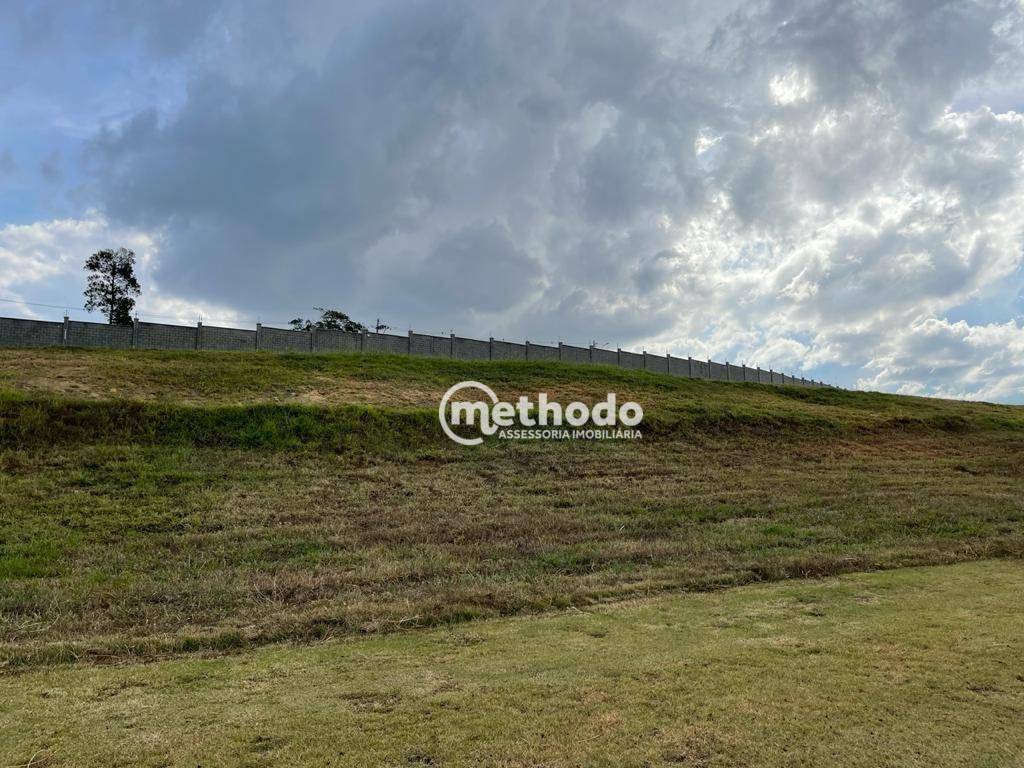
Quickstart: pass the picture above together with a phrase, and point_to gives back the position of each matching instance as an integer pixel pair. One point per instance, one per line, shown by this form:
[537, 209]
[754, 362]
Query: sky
[833, 189]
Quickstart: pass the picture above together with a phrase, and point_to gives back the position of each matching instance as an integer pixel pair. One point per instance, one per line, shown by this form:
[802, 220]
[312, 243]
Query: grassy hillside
[214, 380]
[156, 503]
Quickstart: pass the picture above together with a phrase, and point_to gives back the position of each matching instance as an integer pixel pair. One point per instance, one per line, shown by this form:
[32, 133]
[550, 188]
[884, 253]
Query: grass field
[170, 507]
[914, 667]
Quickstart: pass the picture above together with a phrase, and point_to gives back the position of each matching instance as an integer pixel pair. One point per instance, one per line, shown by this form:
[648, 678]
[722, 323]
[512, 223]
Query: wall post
[259, 336]
[362, 341]
[452, 345]
[135, 333]
[199, 334]
[559, 351]
[64, 332]
[527, 345]
[410, 341]
[312, 339]
[618, 356]
[490, 347]
[709, 369]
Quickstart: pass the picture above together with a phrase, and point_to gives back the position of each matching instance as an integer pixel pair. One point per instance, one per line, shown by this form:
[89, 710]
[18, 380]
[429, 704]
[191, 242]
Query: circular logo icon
[442, 416]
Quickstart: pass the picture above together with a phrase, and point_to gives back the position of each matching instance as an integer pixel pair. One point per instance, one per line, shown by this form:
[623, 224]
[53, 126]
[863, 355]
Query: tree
[111, 285]
[330, 320]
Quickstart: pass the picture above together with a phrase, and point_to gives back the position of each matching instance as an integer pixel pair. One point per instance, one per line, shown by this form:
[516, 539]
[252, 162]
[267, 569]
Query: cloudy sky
[834, 188]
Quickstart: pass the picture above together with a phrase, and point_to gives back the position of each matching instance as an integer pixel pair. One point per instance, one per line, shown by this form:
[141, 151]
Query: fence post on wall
[590, 352]
[452, 350]
[618, 356]
[689, 366]
[259, 335]
[709, 369]
[490, 347]
[668, 363]
[362, 341]
[410, 341]
[559, 351]
[645, 359]
[199, 334]
[312, 339]
[135, 333]
[527, 345]
[64, 332]
[728, 375]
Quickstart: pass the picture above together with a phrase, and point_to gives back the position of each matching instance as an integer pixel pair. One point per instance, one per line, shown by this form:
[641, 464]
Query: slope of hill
[157, 503]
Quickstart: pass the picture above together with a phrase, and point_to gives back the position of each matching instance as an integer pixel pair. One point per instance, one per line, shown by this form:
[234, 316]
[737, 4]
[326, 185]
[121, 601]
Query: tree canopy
[111, 286]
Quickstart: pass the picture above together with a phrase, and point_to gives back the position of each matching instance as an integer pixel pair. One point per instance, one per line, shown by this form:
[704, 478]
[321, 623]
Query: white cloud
[42, 263]
[977, 362]
[790, 88]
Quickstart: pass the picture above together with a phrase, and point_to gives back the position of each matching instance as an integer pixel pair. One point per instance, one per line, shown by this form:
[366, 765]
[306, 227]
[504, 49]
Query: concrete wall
[16, 332]
[656, 363]
[387, 343]
[541, 352]
[227, 339]
[162, 336]
[508, 350]
[30, 333]
[425, 345]
[678, 366]
[630, 359]
[284, 340]
[336, 341]
[82, 334]
[471, 349]
[572, 354]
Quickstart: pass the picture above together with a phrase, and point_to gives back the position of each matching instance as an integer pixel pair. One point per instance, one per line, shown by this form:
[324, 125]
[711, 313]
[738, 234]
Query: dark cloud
[476, 269]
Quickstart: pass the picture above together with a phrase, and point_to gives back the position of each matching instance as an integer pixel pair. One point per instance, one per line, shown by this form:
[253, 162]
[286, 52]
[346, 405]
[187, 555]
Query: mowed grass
[221, 380]
[914, 667]
[139, 528]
